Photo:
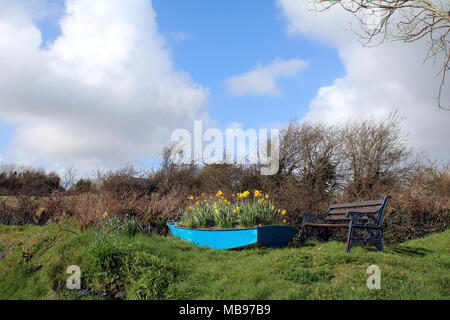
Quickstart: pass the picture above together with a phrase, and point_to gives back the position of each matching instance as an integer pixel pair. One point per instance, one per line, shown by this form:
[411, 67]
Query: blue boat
[274, 236]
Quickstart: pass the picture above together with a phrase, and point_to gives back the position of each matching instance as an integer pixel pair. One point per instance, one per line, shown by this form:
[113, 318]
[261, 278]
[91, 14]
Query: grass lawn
[33, 262]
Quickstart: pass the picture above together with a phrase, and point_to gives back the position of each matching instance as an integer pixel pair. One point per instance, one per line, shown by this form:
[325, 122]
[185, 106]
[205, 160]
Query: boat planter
[273, 235]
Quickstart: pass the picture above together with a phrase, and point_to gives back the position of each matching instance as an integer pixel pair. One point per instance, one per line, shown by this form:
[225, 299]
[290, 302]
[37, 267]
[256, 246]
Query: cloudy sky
[102, 84]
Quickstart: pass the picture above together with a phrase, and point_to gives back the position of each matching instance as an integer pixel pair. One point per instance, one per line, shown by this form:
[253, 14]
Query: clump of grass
[128, 226]
[155, 275]
[115, 264]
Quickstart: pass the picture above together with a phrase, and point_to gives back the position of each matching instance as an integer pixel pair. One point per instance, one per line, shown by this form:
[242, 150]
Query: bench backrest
[374, 207]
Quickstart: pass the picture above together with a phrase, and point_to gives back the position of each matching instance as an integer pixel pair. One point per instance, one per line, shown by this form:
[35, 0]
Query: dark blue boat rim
[271, 235]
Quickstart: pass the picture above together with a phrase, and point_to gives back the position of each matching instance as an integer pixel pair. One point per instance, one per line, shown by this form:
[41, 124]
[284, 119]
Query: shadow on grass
[410, 251]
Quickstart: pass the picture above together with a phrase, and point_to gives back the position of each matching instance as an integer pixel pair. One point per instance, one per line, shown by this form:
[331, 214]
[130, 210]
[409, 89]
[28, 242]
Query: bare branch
[402, 20]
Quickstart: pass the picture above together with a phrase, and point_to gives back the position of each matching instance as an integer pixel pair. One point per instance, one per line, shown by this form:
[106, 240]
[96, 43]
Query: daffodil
[243, 195]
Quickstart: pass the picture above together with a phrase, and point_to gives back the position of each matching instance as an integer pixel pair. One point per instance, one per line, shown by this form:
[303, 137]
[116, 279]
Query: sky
[100, 85]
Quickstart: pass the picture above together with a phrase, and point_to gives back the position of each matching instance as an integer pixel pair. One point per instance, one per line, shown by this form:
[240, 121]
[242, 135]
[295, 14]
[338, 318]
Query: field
[125, 265]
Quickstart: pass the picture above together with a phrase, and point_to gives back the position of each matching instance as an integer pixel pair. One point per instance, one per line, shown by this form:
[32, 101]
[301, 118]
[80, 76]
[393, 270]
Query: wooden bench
[362, 219]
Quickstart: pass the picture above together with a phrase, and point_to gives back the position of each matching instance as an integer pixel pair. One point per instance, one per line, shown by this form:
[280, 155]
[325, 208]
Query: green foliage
[242, 211]
[127, 226]
[257, 212]
[401, 225]
[83, 185]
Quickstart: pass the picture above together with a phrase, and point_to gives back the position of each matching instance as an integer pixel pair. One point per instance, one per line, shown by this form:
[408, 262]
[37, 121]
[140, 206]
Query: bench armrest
[363, 219]
[311, 217]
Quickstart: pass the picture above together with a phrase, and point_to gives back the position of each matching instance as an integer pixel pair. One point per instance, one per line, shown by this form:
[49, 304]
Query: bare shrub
[173, 175]
[126, 181]
[373, 157]
[69, 177]
[154, 215]
[89, 208]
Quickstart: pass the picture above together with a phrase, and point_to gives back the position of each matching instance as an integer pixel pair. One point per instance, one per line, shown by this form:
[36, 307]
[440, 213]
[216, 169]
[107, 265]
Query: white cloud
[378, 80]
[262, 79]
[104, 94]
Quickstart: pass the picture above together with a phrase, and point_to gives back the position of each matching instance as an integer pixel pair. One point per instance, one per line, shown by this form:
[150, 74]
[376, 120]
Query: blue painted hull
[275, 236]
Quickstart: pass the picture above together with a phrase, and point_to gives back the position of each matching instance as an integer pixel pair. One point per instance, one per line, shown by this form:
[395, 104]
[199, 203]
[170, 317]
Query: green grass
[155, 267]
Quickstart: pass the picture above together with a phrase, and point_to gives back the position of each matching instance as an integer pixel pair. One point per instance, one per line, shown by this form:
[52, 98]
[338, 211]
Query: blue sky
[225, 38]
[96, 96]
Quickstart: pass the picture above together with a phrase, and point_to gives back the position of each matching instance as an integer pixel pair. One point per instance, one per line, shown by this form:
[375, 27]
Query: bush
[83, 185]
[127, 182]
[20, 211]
[29, 182]
[400, 225]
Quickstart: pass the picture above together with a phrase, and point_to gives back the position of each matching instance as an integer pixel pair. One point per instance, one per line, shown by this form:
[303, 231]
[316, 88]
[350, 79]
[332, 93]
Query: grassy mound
[33, 263]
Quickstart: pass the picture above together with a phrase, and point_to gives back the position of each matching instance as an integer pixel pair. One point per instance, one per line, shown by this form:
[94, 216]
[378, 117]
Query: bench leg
[379, 240]
[349, 238]
[305, 234]
[368, 235]
[327, 234]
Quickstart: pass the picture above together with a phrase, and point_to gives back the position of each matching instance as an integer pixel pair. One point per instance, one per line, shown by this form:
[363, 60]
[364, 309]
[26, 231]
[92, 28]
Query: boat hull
[275, 236]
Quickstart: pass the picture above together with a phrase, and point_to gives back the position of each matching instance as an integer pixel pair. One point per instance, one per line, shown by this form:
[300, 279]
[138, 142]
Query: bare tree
[69, 178]
[404, 20]
[373, 155]
[307, 153]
